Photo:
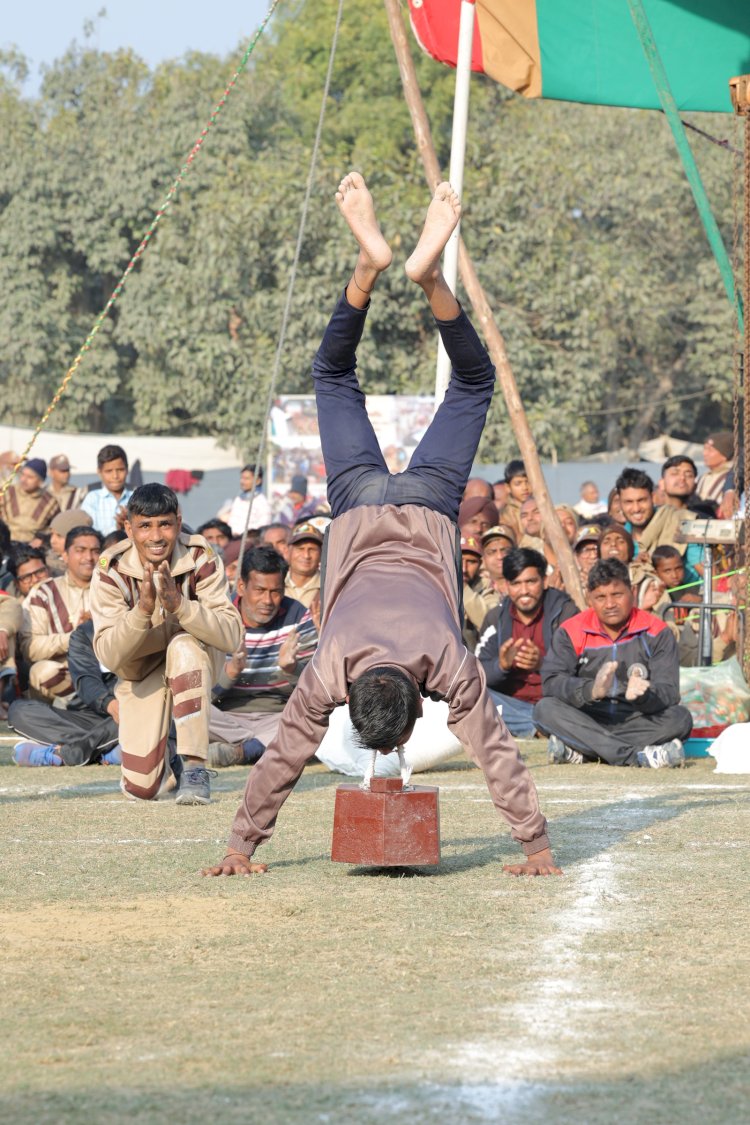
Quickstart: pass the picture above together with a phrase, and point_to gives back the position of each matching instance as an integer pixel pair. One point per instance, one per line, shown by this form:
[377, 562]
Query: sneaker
[223, 754]
[35, 754]
[195, 786]
[668, 755]
[558, 754]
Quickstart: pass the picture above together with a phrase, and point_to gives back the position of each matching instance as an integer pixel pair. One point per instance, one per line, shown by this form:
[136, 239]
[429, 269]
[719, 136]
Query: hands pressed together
[522, 653]
[158, 581]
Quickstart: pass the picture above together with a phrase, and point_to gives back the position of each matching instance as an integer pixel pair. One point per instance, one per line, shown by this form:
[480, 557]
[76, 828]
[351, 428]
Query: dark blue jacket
[497, 628]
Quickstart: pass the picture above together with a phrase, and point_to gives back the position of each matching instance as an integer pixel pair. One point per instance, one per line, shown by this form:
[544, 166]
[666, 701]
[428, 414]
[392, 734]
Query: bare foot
[442, 217]
[355, 204]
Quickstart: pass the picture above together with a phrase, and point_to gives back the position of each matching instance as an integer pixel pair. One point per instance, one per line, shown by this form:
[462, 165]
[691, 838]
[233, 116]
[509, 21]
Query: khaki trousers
[180, 689]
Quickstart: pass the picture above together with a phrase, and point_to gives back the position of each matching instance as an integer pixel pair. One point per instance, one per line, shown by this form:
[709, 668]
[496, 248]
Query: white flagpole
[458, 152]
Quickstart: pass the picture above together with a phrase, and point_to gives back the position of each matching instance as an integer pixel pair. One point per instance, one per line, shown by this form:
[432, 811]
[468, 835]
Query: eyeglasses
[31, 574]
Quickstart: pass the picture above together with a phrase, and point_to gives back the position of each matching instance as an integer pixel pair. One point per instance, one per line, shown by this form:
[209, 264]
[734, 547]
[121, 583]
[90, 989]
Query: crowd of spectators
[602, 684]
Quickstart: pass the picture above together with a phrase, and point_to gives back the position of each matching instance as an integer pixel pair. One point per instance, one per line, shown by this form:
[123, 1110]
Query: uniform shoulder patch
[103, 562]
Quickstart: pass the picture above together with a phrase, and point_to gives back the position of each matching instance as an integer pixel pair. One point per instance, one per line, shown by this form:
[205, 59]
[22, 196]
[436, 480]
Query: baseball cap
[591, 533]
[306, 530]
[59, 461]
[66, 521]
[471, 545]
[499, 531]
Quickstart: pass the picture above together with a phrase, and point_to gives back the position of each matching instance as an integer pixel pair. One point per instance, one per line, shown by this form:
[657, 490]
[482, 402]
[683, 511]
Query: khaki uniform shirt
[27, 512]
[132, 645]
[11, 616]
[51, 611]
[304, 593]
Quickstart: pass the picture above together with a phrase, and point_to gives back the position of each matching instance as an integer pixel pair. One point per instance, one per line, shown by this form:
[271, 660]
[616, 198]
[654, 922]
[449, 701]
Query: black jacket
[94, 688]
[498, 628]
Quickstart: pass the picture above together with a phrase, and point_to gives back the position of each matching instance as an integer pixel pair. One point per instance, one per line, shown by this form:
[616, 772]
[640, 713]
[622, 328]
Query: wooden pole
[495, 342]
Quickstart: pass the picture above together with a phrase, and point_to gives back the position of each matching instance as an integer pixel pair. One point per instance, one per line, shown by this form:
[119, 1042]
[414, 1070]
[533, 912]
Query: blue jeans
[356, 470]
[516, 714]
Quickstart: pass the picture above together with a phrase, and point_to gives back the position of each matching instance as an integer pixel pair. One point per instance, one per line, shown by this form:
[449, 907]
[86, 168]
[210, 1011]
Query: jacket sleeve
[559, 673]
[477, 604]
[663, 675]
[211, 617]
[475, 722]
[94, 688]
[37, 642]
[487, 651]
[303, 724]
[11, 615]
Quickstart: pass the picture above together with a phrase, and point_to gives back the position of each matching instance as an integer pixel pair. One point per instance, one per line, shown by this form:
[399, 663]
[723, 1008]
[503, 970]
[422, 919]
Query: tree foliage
[579, 219]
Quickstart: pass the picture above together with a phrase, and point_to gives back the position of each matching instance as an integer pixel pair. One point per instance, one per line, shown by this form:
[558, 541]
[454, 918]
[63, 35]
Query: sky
[155, 29]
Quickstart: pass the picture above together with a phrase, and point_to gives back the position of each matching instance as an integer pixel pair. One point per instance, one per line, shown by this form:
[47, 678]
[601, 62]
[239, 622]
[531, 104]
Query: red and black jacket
[581, 646]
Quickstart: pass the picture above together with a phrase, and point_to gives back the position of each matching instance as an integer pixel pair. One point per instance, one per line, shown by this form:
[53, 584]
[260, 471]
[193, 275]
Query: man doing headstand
[391, 623]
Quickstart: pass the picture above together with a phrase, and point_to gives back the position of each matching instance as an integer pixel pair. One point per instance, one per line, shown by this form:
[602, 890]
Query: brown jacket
[27, 512]
[390, 597]
[127, 642]
[51, 611]
[11, 616]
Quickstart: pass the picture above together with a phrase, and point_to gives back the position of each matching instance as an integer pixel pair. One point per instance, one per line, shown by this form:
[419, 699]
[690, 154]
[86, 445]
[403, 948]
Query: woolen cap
[473, 506]
[299, 484]
[37, 465]
[724, 442]
[66, 521]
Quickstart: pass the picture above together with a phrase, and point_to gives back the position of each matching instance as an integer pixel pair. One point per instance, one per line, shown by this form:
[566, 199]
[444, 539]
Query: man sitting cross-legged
[256, 682]
[162, 622]
[391, 626]
[611, 682]
[516, 635]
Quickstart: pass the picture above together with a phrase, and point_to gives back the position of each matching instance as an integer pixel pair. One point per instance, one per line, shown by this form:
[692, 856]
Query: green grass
[135, 989]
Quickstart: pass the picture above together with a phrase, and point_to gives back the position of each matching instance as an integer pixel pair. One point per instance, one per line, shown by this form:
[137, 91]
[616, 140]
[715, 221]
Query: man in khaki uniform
[67, 495]
[52, 610]
[10, 622]
[303, 577]
[27, 507]
[163, 622]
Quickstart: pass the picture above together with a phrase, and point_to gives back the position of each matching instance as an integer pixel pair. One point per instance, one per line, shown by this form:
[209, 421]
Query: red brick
[386, 828]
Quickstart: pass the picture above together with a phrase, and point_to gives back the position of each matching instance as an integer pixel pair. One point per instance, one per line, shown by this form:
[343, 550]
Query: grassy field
[133, 989]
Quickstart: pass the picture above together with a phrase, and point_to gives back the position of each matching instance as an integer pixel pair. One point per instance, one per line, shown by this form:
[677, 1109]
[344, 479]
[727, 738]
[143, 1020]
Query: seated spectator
[258, 679]
[616, 543]
[231, 560]
[81, 736]
[516, 635]
[623, 711]
[478, 486]
[278, 536]
[674, 586]
[476, 515]
[303, 577]
[497, 541]
[499, 494]
[28, 567]
[67, 495]
[519, 490]
[107, 505]
[52, 610]
[10, 623]
[250, 496]
[216, 532]
[568, 520]
[651, 526]
[6, 575]
[590, 503]
[718, 455]
[614, 508]
[298, 506]
[586, 548]
[27, 507]
[479, 596]
[678, 477]
[531, 523]
[63, 522]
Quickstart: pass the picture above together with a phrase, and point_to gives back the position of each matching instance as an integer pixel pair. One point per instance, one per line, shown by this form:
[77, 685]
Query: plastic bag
[430, 744]
[732, 749]
[715, 696]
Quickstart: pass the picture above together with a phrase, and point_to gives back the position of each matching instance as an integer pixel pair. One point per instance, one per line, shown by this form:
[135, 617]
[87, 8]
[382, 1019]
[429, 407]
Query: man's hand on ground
[605, 677]
[234, 863]
[540, 863]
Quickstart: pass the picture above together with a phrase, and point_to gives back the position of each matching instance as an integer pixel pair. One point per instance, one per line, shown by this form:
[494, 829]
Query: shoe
[113, 757]
[558, 754]
[195, 786]
[668, 755]
[223, 754]
[35, 754]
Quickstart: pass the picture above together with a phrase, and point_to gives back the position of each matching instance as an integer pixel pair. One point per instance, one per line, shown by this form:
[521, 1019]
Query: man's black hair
[251, 469]
[116, 536]
[218, 525]
[634, 478]
[21, 554]
[153, 500]
[519, 558]
[606, 571]
[667, 551]
[514, 469]
[679, 459]
[276, 527]
[79, 532]
[263, 560]
[383, 705]
[111, 453]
